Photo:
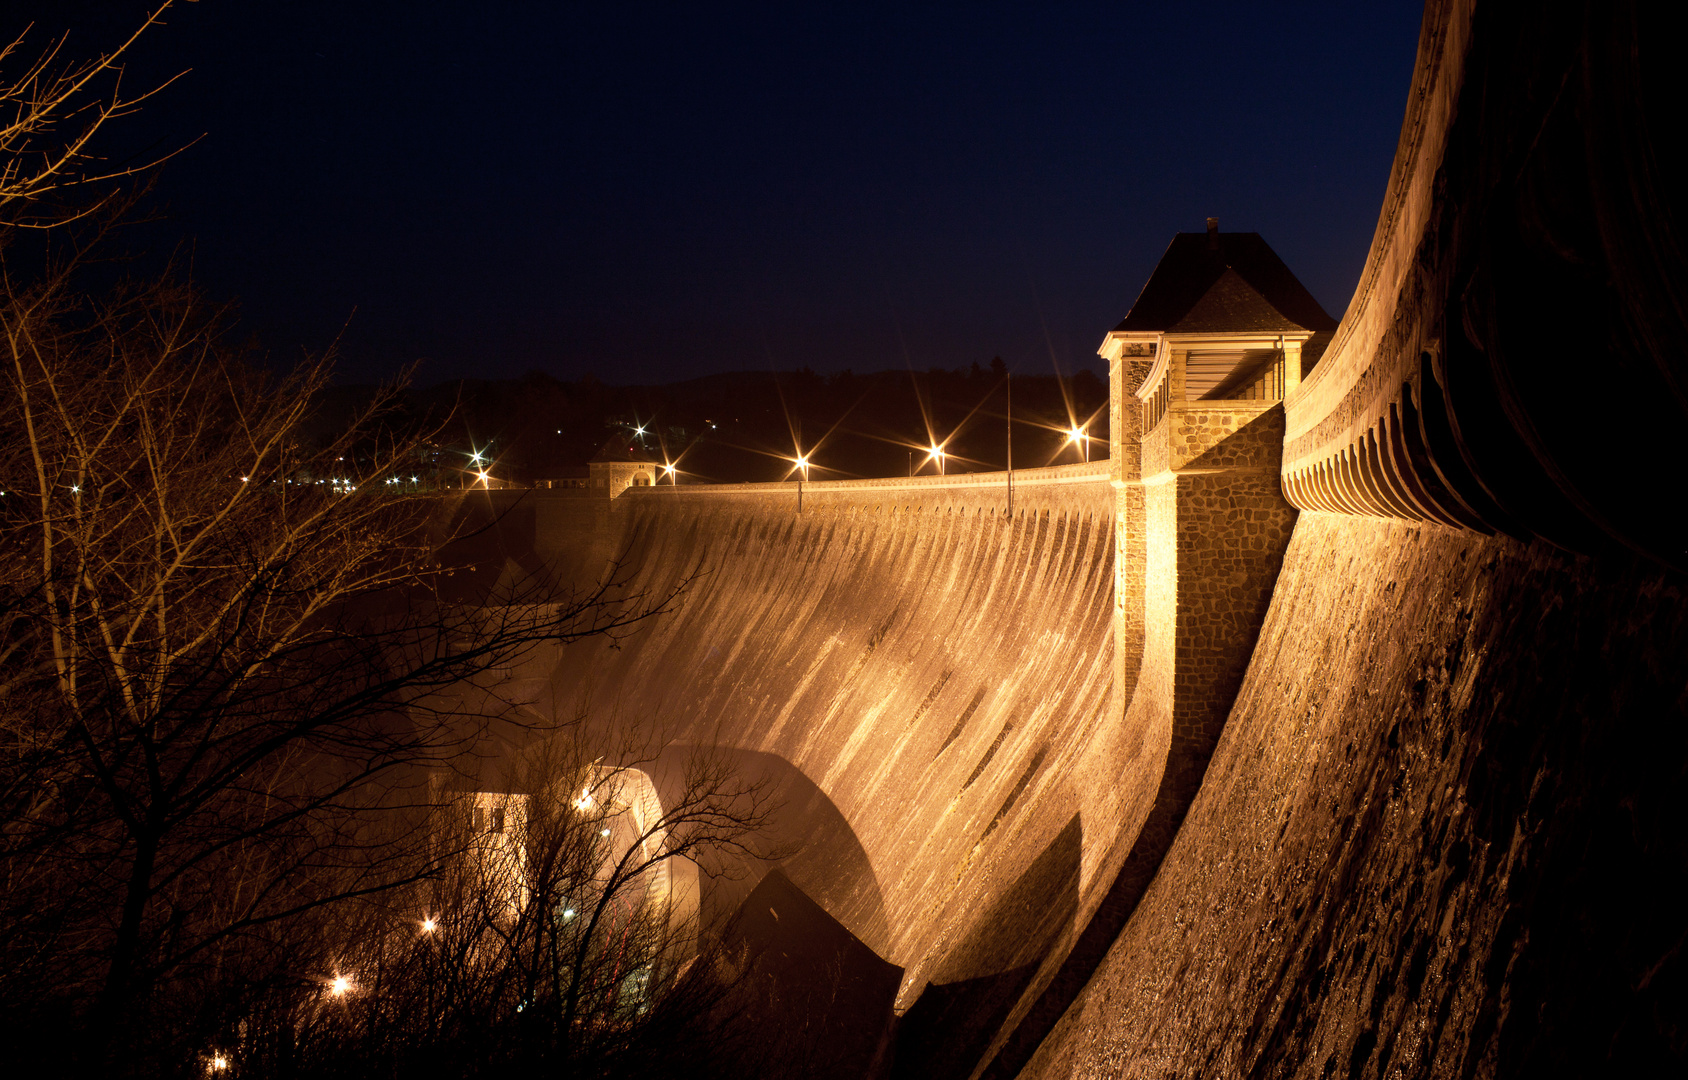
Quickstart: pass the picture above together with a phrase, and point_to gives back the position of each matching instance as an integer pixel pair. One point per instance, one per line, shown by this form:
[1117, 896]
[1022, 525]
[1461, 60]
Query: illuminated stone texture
[1388, 867]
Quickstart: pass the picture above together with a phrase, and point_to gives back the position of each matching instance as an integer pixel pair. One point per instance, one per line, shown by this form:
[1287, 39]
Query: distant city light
[428, 925]
[475, 456]
[243, 479]
[340, 986]
[219, 1063]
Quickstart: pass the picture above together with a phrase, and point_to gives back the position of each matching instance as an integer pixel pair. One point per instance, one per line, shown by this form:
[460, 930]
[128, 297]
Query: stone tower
[1198, 371]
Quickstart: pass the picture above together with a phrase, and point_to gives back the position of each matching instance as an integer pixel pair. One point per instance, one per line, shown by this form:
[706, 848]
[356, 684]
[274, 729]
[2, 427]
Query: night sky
[654, 193]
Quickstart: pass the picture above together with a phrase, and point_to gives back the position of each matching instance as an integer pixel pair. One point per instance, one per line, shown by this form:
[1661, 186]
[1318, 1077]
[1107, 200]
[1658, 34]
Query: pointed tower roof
[1218, 282]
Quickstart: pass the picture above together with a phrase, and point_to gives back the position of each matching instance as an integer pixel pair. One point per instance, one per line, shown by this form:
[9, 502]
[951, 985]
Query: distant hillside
[747, 426]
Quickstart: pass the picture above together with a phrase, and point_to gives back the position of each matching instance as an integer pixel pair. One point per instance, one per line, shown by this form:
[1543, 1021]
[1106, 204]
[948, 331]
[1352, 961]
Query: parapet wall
[1041, 489]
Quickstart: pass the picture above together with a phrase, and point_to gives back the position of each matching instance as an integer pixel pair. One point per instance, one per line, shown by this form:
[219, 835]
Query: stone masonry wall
[1201, 426]
[1440, 836]
[1233, 526]
[1130, 533]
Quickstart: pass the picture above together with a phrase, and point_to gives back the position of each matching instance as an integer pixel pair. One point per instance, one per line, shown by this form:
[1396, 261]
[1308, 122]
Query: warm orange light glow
[219, 1063]
[585, 802]
[340, 986]
[429, 925]
[1075, 434]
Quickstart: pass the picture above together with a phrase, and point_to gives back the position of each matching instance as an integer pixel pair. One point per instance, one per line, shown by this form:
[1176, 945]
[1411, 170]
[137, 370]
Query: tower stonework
[1126, 373]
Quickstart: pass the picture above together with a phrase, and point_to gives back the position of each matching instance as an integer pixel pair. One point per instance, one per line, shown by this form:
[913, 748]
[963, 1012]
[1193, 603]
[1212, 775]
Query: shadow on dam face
[825, 857]
[807, 998]
[953, 1020]
[817, 1001]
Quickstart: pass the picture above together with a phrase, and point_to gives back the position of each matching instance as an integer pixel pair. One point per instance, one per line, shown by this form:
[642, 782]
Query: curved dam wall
[1441, 834]
[1442, 830]
[939, 673]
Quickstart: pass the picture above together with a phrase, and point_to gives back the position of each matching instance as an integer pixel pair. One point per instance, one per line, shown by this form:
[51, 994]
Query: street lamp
[668, 471]
[936, 453]
[1077, 435]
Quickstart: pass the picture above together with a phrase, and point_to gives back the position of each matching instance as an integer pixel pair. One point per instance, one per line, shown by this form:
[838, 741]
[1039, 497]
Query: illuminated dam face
[936, 678]
[1328, 728]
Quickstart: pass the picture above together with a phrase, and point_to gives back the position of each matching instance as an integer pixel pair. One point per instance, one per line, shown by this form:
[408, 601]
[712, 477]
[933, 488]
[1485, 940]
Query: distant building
[621, 464]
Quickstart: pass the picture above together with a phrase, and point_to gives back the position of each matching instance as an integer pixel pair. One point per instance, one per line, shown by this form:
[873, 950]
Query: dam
[1334, 725]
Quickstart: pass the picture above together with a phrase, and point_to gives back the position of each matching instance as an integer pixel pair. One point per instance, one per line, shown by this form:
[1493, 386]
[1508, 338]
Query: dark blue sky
[652, 193]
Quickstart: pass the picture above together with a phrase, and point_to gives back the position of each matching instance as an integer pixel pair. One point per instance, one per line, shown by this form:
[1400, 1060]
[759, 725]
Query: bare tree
[230, 681]
[219, 644]
[52, 108]
[558, 936]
